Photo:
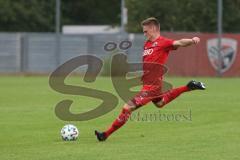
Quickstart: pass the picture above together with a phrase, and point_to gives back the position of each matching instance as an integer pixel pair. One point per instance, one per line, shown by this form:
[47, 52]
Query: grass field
[31, 131]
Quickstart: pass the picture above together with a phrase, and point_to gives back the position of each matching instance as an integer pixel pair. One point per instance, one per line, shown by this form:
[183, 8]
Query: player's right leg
[195, 85]
[174, 93]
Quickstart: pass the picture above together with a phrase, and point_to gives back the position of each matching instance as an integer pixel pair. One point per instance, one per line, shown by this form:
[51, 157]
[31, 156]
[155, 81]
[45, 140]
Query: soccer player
[156, 50]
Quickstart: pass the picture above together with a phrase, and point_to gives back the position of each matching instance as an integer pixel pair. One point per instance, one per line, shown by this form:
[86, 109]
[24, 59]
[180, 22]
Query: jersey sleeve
[168, 44]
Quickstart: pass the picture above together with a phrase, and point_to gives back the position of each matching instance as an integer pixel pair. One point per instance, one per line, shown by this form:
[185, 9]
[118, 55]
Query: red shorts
[147, 94]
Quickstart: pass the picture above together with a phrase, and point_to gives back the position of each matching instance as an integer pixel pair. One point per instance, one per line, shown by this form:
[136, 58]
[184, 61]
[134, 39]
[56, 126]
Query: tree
[174, 15]
[184, 15]
[31, 16]
[39, 15]
[91, 12]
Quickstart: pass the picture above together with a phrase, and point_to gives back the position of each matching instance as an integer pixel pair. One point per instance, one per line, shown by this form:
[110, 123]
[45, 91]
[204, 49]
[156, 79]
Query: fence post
[57, 49]
[24, 53]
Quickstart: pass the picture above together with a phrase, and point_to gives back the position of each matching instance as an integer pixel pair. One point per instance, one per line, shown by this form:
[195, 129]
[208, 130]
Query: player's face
[149, 31]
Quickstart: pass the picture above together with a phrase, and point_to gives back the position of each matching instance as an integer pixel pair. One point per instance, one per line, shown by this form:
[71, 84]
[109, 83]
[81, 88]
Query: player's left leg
[117, 123]
[174, 93]
[138, 101]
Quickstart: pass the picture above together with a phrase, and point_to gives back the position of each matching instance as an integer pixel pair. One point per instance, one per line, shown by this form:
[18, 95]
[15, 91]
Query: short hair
[151, 21]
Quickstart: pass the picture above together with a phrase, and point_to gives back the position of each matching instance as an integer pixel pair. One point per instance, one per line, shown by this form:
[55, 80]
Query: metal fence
[44, 52]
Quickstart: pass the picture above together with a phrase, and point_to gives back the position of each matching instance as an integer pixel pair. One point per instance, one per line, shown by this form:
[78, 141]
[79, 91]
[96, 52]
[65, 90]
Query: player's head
[151, 27]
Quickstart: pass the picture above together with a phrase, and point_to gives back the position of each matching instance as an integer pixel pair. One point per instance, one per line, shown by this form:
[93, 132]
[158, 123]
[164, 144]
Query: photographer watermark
[120, 81]
[162, 116]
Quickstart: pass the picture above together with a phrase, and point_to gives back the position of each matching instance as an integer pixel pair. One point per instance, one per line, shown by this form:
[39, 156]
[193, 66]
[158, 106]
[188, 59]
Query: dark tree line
[174, 15]
[39, 15]
[185, 15]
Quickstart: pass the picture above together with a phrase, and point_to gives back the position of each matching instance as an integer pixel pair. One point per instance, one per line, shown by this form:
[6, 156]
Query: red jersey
[155, 52]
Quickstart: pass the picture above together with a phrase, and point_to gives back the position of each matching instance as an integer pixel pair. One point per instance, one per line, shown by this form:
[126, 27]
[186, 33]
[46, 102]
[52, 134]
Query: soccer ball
[69, 132]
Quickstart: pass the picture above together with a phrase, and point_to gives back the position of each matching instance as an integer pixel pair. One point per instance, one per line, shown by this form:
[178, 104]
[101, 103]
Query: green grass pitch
[29, 129]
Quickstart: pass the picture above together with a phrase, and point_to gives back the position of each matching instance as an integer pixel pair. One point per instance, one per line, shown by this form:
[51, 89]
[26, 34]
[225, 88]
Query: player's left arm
[185, 42]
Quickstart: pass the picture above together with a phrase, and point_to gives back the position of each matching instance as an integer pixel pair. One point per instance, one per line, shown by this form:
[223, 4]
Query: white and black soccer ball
[69, 132]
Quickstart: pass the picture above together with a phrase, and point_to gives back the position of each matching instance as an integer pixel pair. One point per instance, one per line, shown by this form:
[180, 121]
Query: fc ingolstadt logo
[228, 53]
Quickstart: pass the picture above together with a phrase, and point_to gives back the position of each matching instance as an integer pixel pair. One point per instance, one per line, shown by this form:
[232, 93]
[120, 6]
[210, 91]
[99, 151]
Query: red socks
[119, 122]
[125, 114]
[173, 93]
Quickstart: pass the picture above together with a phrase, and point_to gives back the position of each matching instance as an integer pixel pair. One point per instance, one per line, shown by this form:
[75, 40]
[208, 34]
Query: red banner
[202, 59]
